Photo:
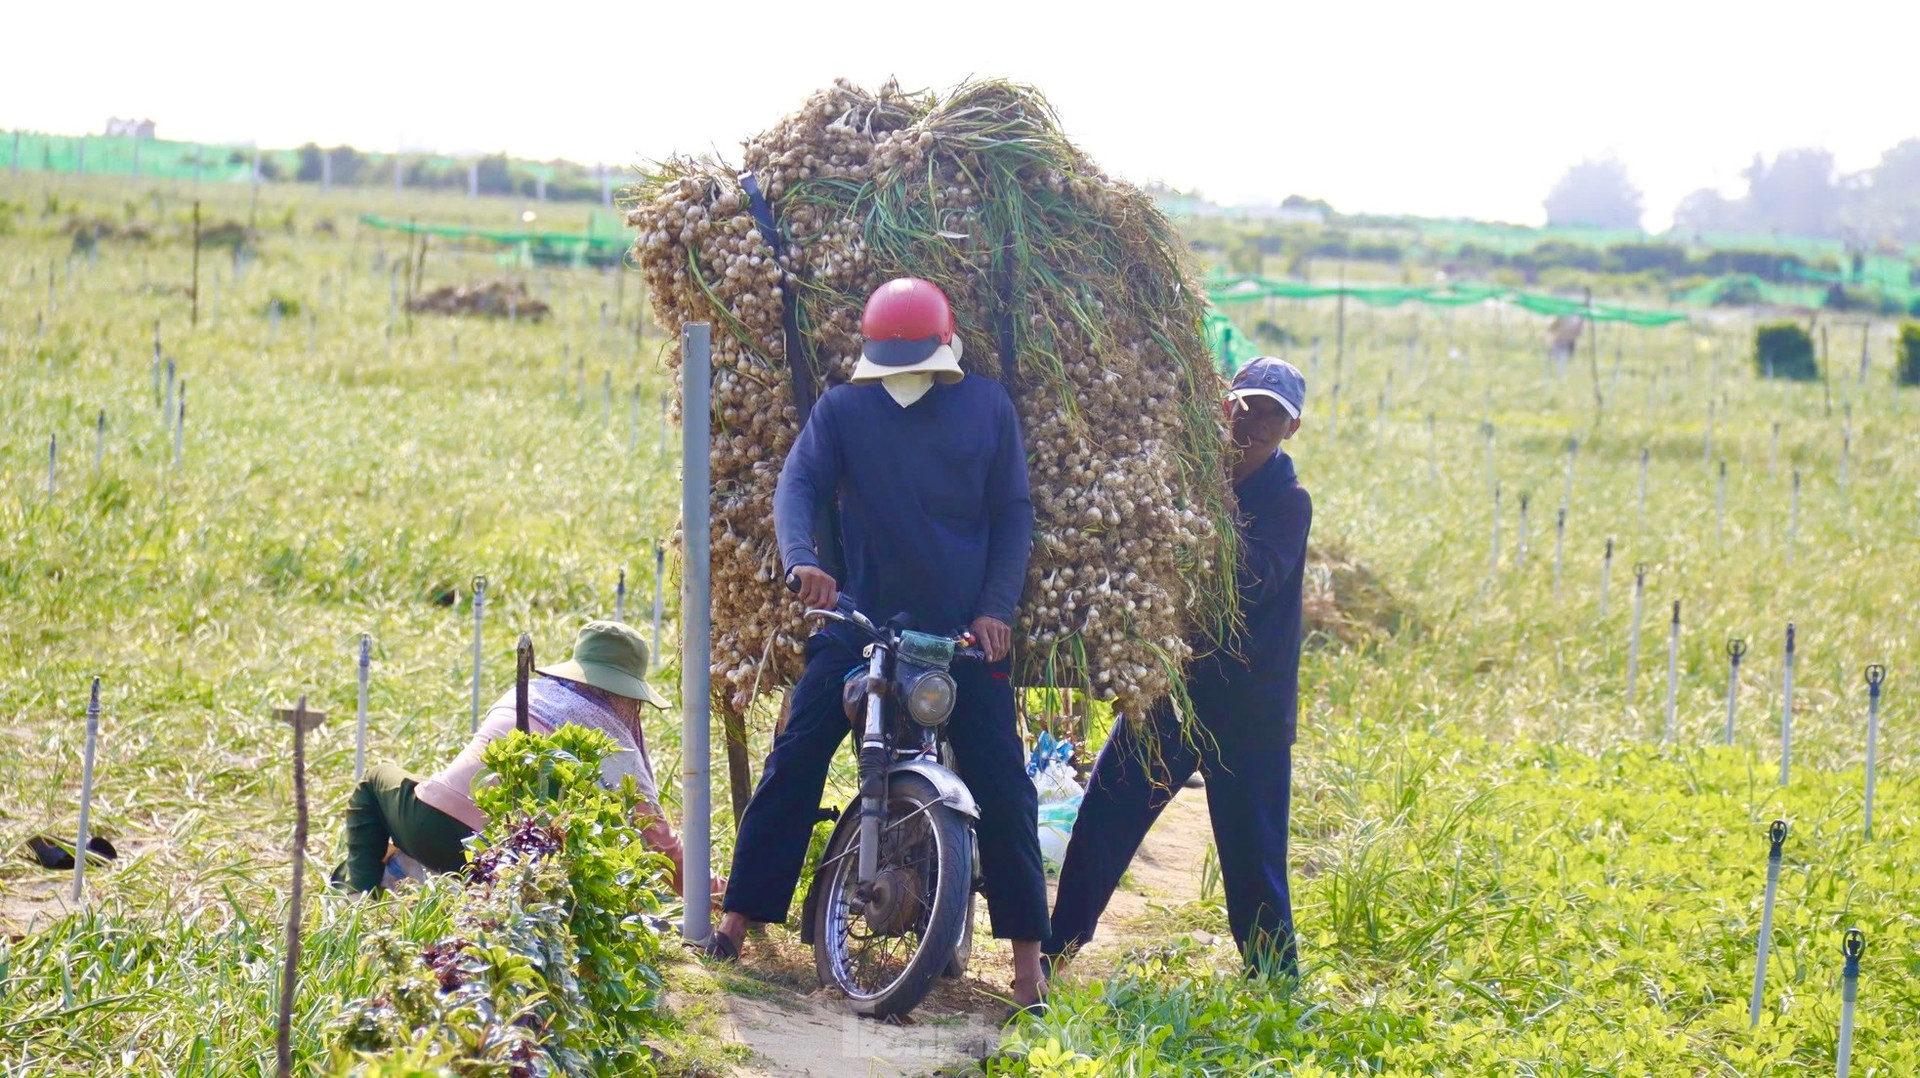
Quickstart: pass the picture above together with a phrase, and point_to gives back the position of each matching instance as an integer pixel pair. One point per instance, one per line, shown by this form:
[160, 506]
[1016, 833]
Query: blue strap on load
[798, 359]
[800, 368]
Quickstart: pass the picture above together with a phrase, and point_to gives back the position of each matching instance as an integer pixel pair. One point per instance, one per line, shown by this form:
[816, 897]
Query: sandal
[718, 946]
[1036, 1009]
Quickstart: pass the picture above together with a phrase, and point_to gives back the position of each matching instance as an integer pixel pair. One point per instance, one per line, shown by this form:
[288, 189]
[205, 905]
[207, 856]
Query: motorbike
[890, 909]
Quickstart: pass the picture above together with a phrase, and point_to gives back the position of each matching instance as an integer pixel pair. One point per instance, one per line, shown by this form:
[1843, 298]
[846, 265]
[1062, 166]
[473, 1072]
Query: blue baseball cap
[1265, 376]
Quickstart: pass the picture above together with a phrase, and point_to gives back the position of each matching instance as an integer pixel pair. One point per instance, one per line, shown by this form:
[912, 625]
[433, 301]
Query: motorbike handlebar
[844, 611]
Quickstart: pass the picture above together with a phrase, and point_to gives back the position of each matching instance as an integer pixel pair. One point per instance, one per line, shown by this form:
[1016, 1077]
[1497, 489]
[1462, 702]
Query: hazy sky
[1461, 109]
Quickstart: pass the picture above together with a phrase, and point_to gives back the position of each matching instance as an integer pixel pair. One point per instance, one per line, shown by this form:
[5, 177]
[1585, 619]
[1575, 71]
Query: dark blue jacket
[936, 520]
[1256, 674]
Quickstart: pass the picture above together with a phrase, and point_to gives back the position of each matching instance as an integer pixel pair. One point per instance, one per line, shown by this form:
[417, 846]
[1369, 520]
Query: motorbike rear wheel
[885, 944]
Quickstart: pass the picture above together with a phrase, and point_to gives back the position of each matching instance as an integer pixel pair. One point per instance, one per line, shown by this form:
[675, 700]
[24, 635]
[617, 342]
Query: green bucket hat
[611, 656]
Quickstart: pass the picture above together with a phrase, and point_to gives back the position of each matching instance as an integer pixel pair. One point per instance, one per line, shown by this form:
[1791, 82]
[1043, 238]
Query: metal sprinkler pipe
[1720, 507]
[1776, 835]
[1786, 708]
[1673, 671]
[1793, 518]
[1606, 570]
[1852, 947]
[1633, 638]
[1559, 547]
[1876, 676]
[1640, 516]
[86, 791]
[659, 571]
[1736, 648]
[1520, 554]
[360, 725]
[479, 613]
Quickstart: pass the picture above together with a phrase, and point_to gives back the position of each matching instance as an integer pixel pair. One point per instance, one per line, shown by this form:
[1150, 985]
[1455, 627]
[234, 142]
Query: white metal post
[696, 639]
[1876, 675]
[1673, 670]
[1776, 835]
[86, 790]
[1736, 648]
[479, 611]
[360, 734]
[1633, 639]
[1786, 709]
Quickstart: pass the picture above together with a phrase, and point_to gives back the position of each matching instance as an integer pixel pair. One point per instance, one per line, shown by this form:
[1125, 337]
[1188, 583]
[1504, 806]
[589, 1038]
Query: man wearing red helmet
[929, 474]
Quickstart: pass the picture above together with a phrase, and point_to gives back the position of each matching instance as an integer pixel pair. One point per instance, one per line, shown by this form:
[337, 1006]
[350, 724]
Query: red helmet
[906, 321]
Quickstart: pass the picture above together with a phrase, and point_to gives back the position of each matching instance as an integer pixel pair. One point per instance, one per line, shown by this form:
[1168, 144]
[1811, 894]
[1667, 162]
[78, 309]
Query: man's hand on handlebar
[995, 638]
[817, 589]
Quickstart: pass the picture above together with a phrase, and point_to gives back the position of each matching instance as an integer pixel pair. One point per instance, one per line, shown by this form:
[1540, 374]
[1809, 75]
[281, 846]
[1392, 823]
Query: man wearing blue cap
[1245, 693]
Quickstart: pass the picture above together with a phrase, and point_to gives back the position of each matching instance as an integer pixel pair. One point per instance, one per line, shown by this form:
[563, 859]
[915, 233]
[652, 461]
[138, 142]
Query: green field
[1499, 865]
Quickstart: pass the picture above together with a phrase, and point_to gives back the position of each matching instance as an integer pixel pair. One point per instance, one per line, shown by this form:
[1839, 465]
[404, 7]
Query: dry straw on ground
[484, 299]
[979, 192]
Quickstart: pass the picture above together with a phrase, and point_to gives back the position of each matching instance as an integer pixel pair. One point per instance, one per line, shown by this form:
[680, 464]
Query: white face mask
[907, 388]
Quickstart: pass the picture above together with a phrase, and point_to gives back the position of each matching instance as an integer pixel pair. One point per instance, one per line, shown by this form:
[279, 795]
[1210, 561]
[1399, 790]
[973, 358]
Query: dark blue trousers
[983, 731]
[1248, 761]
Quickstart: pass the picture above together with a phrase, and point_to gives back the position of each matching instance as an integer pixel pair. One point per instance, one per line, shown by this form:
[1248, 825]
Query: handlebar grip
[978, 655]
[842, 603]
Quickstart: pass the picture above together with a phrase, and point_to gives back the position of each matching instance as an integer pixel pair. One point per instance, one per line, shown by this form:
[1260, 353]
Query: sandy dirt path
[773, 1008]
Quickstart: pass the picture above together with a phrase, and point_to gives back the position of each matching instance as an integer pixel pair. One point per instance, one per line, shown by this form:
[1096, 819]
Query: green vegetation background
[1499, 867]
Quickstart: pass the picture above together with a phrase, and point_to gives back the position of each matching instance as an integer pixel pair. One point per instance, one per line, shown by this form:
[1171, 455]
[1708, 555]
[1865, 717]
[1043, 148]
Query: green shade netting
[1232, 290]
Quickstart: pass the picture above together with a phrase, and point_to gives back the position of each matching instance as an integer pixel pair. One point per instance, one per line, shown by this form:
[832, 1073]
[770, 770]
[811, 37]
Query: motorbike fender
[953, 793]
[951, 789]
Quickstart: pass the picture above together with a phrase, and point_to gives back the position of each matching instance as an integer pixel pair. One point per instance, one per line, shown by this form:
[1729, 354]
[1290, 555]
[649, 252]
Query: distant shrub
[1785, 350]
[1907, 373]
[1739, 292]
[1766, 265]
[1379, 251]
[1641, 257]
[1559, 254]
[1842, 298]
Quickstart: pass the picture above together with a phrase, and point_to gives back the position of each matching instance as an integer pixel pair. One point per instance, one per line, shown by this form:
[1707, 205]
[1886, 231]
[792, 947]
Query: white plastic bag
[1060, 793]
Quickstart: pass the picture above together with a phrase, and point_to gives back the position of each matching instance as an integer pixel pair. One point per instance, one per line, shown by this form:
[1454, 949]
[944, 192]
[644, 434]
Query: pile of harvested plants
[485, 299]
[1073, 274]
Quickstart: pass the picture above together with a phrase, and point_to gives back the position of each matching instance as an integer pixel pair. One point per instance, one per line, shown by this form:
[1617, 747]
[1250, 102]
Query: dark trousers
[1248, 762]
[383, 809]
[779, 821]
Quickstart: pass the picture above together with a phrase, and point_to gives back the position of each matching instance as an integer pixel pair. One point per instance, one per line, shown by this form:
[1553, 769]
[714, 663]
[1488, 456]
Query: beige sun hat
[612, 656]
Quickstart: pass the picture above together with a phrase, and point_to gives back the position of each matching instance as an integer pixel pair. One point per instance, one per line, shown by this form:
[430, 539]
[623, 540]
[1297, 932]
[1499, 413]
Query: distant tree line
[1799, 192]
[494, 174]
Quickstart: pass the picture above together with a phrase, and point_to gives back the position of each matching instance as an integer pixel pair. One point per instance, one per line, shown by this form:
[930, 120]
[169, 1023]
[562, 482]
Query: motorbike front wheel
[884, 943]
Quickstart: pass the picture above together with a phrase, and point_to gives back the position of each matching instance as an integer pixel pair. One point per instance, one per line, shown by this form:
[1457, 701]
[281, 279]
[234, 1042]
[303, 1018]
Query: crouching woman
[602, 686]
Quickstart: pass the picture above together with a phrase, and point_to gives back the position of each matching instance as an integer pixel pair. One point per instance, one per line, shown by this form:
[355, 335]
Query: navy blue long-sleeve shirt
[936, 519]
[1257, 673]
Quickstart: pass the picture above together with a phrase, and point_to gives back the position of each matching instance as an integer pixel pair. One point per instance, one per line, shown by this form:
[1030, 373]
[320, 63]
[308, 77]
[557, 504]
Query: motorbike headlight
[930, 698]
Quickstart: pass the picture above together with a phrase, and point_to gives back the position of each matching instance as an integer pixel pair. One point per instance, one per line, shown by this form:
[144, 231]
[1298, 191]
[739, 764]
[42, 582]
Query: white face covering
[907, 388]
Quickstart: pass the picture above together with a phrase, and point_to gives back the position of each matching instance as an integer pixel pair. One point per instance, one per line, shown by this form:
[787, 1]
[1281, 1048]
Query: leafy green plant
[551, 958]
[1785, 350]
[1908, 372]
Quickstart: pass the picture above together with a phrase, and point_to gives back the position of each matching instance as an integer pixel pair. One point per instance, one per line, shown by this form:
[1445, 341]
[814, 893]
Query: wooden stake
[195, 291]
[301, 720]
[522, 673]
